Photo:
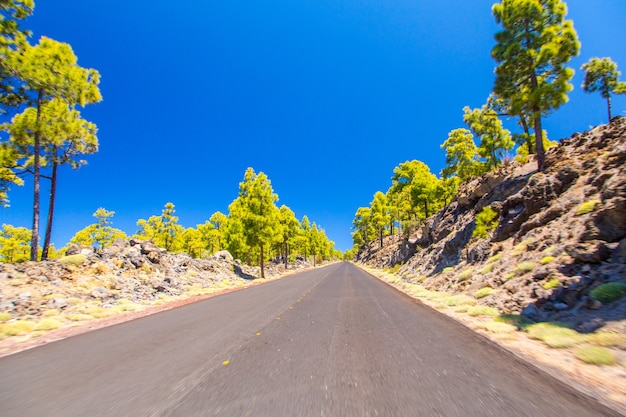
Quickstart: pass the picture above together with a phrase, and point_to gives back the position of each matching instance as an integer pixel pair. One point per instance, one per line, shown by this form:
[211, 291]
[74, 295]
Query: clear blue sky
[326, 97]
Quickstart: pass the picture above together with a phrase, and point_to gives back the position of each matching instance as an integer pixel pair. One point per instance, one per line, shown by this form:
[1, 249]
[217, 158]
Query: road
[332, 341]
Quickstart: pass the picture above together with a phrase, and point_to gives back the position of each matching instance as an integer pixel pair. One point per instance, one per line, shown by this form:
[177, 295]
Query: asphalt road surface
[332, 341]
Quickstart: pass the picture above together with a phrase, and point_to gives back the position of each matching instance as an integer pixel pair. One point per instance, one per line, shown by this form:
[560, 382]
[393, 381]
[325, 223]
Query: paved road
[328, 342]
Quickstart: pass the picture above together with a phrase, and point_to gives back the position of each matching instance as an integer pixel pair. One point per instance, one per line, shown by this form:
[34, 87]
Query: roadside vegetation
[597, 348]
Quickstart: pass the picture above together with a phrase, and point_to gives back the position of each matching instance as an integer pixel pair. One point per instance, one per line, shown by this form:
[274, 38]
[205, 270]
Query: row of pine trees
[254, 229]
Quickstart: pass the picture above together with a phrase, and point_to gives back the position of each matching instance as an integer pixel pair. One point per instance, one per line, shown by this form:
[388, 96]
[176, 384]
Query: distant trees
[99, 234]
[532, 50]
[163, 230]
[14, 244]
[415, 194]
[461, 155]
[601, 75]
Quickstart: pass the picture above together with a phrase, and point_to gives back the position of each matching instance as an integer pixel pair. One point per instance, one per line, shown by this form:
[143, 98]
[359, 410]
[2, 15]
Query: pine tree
[601, 75]
[532, 51]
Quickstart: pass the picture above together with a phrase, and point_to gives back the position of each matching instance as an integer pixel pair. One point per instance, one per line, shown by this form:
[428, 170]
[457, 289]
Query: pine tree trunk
[53, 191]
[541, 154]
[34, 242]
[261, 261]
[529, 142]
[286, 255]
[608, 104]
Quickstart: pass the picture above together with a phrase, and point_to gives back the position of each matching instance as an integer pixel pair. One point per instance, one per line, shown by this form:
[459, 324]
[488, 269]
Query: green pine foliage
[486, 221]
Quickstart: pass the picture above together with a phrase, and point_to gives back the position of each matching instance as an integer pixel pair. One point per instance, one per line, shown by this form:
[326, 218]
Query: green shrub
[546, 260]
[487, 269]
[607, 339]
[587, 207]
[74, 260]
[447, 269]
[499, 327]
[516, 320]
[495, 257]
[5, 316]
[47, 324]
[465, 275]
[17, 328]
[546, 330]
[482, 311]
[459, 300]
[609, 292]
[486, 220]
[553, 283]
[524, 267]
[483, 292]
[521, 247]
[595, 355]
[509, 276]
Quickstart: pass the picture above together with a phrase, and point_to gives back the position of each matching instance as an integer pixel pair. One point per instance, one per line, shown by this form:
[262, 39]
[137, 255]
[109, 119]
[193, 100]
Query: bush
[74, 260]
[553, 283]
[459, 300]
[607, 293]
[546, 260]
[524, 267]
[482, 311]
[485, 221]
[587, 207]
[509, 276]
[495, 257]
[47, 324]
[499, 327]
[465, 275]
[483, 292]
[5, 316]
[595, 355]
[607, 339]
[552, 331]
[17, 328]
[516, 320]
[487, 269]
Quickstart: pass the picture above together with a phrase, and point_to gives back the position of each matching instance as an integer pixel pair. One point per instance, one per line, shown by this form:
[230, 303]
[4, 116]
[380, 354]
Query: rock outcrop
[560, 233]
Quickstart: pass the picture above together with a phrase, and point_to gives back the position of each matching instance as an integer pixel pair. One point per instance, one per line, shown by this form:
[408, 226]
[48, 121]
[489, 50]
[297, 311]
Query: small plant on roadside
[482, 311]
[447, 269]
[487, 269]
[483, 292]
[509, 276]
[465, 275]
[546, 260]
[607, 339]
[609, 292]
[459, 300]
[495, 257]
[499, 327]
[587, 207]
[516, 320]
[486, 221]
[73, 260]
[17, 328]
[595, 355]
[551, 284]
[5, 316]
[555, 335]
[47, 324]
[521, 247]
[524, 267]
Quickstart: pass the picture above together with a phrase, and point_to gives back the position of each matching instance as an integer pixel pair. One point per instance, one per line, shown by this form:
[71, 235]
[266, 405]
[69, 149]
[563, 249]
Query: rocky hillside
[126, 276]
[560, 233]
